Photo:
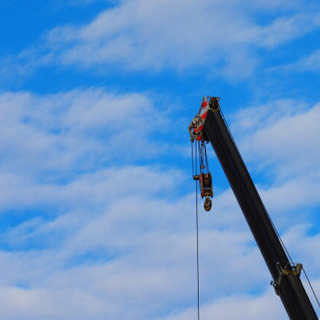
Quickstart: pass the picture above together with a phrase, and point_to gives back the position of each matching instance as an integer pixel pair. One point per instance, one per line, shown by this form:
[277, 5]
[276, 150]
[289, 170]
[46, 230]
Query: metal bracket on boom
[214, 103]
[294, 270]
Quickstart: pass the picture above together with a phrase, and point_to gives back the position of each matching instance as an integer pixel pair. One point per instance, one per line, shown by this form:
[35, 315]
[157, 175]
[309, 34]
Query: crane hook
[207, 204]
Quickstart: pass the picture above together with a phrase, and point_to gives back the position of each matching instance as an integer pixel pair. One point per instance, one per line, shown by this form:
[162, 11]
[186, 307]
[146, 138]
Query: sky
[97, 205]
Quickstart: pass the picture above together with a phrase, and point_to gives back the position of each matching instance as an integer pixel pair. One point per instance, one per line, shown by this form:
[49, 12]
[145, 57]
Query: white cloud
[100, 210]
[309, 63]
[266, 306]
[77, 128]
[287, 136]
[99, 227]
[142, 35]
[284, 29]
[139, 35]
[116, 241]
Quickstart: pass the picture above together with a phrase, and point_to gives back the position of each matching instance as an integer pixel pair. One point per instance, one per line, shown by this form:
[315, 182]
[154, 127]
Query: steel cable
[309, 282]
[194, 172]
[197, 236]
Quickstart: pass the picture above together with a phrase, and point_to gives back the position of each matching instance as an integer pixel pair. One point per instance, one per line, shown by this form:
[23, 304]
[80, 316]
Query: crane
[207, 126]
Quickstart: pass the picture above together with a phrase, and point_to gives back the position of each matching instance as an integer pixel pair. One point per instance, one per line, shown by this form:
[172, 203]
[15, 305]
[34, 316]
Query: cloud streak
[136, 36]
[177, 36]
[310, 63]
[97, 201]
[121, 238]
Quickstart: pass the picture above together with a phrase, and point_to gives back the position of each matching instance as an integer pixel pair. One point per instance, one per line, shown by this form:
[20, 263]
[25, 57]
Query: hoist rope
[197, 236]
[200, 156]
[192, 159]
[194, 172]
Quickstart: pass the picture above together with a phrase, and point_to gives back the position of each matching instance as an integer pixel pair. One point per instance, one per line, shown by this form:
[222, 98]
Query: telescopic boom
[286, 276]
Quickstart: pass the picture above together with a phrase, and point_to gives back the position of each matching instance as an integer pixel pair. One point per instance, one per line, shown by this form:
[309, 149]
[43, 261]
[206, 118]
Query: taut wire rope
[194, 172]
[197, 232]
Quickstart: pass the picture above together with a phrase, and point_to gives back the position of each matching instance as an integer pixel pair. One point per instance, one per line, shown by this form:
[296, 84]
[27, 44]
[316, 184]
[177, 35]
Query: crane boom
[286, 276]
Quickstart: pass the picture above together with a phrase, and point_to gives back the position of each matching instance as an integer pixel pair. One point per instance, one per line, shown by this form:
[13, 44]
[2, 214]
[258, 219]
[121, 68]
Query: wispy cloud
[265, 307]
[284, 29]
[177, 35]
[79, 127]
[139, 35]
[121, 238]
[279, 140]
[310, 63]
[287, 135]
[97, 203]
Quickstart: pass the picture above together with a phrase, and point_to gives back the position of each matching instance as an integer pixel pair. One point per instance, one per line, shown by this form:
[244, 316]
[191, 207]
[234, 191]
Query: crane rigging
[207, 126]
[203, 175]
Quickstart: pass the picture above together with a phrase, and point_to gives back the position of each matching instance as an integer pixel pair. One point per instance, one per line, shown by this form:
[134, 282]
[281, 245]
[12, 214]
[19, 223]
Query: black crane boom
[286, 276]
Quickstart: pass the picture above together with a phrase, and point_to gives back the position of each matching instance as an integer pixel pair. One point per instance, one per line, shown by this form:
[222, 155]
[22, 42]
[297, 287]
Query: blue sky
[97, 200]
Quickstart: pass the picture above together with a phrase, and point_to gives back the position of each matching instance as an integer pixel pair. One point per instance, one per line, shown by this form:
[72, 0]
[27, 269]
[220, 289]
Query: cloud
[279, 143]
[141, 35]
[96, 207]
[266, 306]
[310, 63]
[94, 236]
[283, 29]
[75, 219]
[77, 128]
[287, 135]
